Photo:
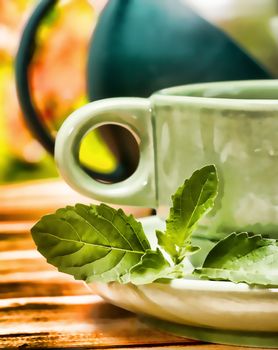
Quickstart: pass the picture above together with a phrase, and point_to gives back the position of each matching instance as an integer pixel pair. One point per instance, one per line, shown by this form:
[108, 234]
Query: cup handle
[132, 113]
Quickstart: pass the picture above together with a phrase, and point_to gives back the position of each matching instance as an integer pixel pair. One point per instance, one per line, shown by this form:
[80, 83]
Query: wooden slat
[30, 200]
[26, 273]
[16, 242]
[42, 288]
[16, 236]
[16, 227]
[22, 261]
[81, 321]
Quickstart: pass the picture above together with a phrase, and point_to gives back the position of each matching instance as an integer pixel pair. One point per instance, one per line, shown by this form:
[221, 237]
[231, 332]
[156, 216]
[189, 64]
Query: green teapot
[138, 47]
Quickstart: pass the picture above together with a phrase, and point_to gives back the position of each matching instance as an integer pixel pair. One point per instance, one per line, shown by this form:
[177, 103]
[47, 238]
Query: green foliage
[242, 257]
[100, 243]
[93, 243]
[191, 201]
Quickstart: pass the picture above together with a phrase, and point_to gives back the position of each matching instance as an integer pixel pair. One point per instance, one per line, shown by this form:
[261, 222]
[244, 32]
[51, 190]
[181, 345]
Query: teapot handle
[30, 111]
[22, 63]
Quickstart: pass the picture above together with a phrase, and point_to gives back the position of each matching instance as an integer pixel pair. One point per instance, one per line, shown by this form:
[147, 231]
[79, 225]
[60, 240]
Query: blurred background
[58, 80]
[58, 73]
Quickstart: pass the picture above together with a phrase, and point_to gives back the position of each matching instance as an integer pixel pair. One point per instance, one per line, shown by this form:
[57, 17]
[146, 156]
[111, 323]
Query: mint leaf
[191, 201]
[242, 257]
[92, 243]
[154, 266]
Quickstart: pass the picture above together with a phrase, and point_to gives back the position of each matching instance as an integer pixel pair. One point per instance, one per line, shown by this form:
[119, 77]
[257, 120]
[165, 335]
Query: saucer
[211, 311]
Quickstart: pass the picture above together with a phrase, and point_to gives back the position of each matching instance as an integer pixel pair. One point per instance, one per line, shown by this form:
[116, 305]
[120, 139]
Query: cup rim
[173, 94]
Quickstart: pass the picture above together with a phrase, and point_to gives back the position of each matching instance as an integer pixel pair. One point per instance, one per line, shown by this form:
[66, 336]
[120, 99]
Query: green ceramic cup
[233, 125]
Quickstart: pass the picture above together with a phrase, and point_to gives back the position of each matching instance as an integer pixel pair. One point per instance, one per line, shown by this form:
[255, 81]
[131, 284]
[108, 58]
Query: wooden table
[42, 308]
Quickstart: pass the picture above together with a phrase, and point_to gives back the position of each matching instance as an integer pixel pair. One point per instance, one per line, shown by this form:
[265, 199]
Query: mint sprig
[190, 203]
[100, 243]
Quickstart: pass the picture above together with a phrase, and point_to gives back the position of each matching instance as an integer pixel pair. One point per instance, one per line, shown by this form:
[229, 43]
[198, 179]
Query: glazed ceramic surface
[212, 306]
[221, 305]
